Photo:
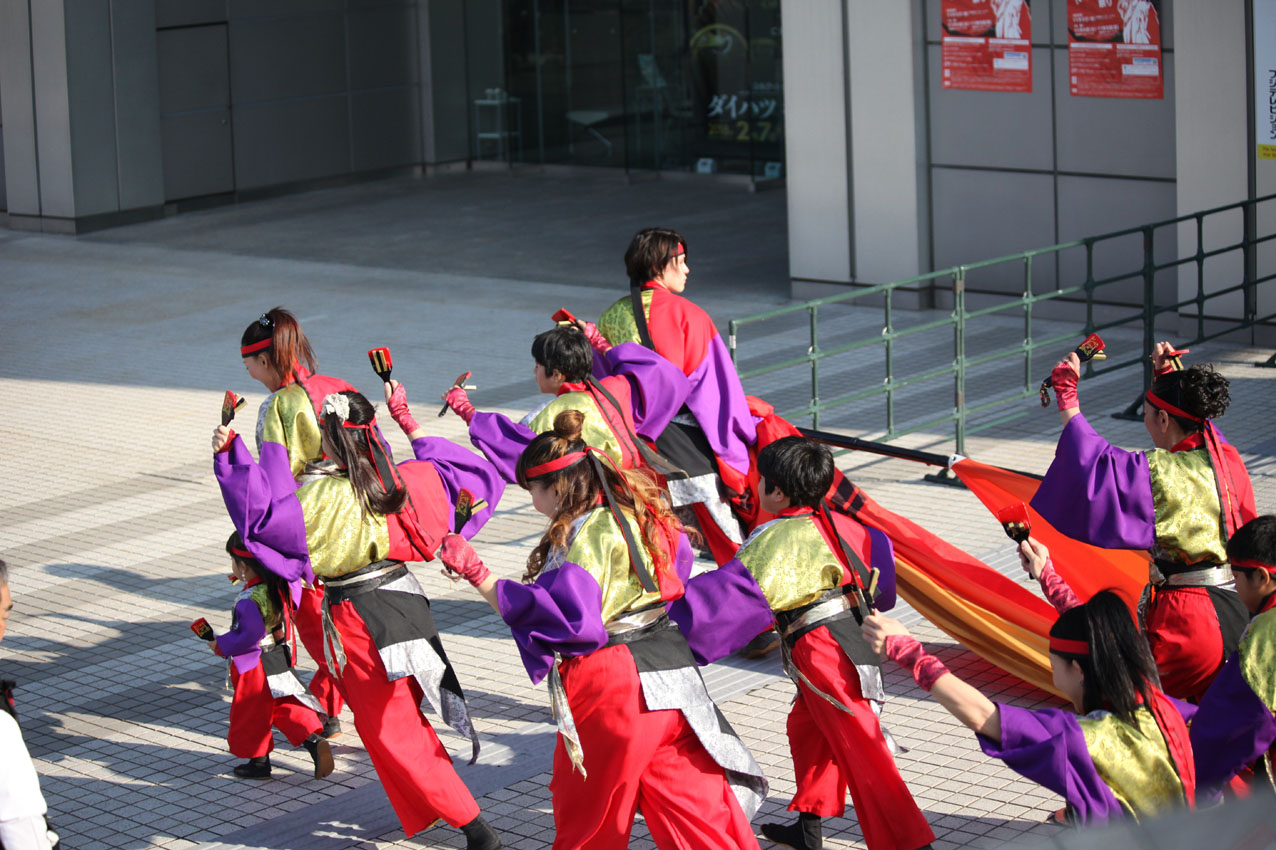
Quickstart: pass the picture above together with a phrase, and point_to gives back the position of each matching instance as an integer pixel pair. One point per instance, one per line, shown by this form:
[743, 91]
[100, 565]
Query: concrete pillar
[1213, 147]
[855, 147]
[80, 93]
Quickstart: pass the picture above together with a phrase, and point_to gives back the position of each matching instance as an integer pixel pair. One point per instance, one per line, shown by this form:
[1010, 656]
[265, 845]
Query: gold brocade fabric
[290, 421]
[266, 601]
[1134, 763]
[339, 542]
[1258, 657]
[1189, 521]
[790, 562]
[617, 321]
[599, 548]
[594, 430]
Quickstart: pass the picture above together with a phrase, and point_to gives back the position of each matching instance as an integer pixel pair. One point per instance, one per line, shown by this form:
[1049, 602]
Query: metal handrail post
[1027, 323]
[1200, 277]
[1134, 411]
[889, 332]
[959, 352]
[814, 353]
[732, 327]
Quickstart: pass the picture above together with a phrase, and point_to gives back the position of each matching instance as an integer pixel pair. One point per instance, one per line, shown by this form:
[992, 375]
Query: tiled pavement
[113, 353]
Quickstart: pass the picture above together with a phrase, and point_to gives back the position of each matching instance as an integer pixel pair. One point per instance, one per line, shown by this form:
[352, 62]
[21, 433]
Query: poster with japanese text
[1114, 48]
[987, 45]
[1265, 78]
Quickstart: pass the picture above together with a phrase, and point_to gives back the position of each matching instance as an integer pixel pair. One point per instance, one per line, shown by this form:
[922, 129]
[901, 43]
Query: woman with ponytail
[353, 523]
[278, 355]
[1128, 753]
[1181, 500]
[637, 729]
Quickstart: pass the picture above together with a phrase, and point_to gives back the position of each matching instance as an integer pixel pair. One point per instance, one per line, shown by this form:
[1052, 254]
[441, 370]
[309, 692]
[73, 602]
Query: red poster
[1114, 48]
[987, 45]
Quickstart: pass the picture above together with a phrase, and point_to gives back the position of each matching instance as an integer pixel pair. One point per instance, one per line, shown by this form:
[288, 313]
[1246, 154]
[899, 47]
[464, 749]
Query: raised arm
[1035, 558]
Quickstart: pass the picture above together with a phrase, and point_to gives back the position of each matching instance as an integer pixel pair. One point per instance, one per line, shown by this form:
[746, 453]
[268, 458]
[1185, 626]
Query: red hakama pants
[636, 758]
[834, 752]
[253, 711]
[412, 764]
[1186, 640]
[308, 621]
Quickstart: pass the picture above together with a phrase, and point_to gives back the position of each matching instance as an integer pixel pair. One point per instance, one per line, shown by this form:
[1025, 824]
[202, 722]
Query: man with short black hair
[22, 822]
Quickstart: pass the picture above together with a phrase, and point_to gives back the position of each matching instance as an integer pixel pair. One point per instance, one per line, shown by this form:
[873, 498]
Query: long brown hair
[579, 491]
[359, 452]
[289, 347]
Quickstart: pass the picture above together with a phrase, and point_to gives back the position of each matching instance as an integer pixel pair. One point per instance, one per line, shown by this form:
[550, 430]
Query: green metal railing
[1242, 241]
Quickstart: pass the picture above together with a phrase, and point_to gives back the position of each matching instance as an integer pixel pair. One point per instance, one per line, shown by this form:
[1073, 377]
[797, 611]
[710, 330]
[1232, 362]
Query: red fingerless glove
[230, 440]
[596, 340]
[907, 652]
[460, 557]
[459, 401]
[398, 407]
[1056, 590]
[1064, 381]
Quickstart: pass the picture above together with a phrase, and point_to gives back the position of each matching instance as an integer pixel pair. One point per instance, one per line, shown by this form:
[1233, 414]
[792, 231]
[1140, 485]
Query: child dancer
[637, 397]
[1234, 732]
[355, 524]
[1128, 755]
[1181, 500]
[637, 729]
[803, 570]
[267, 690]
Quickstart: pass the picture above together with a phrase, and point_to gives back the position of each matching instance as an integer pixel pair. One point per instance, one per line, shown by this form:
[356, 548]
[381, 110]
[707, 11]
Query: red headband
[245, 350]
[242, 553]
[1246, 564]
[352, 426]
[1072, 647]
[543, 469]
[681, 249]
[1157, 401]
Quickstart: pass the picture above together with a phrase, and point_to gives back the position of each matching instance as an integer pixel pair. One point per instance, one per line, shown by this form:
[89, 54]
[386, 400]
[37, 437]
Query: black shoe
[331, 727]
[480, 836]
[321, 753]
[255, 768]
[806, 834]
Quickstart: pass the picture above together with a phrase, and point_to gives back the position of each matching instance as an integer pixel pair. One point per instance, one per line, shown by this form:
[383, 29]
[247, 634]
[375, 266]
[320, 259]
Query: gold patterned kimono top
[791, 562]
[1189, 526]
[1134, 763]
[599, 548]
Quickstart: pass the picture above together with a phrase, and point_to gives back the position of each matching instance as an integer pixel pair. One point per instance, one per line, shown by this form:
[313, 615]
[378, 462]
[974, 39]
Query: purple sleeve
[241, 643]
[266, 514]
[717, 402]
[459, 468]
[1049, 748]
[658, 389]
[275, 464]
[721, 611]
[562, 611]
[501, 440]
[1232, 728]
[684, 559]
[1096, 493]
[882, 556]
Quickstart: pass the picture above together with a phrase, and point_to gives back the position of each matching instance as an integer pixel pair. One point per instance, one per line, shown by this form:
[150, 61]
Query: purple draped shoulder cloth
[459, 468]
[1049, 748]
[501, 440]
[242, 644]
[721, 611]
[1232, 729]
[881, 556]
[717, 402]
[264, 509]
[561, 612]
[658, 389]
[1096, 493]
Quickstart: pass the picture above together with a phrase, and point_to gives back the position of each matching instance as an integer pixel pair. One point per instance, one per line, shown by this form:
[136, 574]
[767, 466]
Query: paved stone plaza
[114, 350]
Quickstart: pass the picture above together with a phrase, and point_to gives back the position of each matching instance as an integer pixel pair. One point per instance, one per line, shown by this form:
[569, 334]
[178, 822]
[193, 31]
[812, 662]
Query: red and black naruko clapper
[202, 630]
[1091, 348]
[460, 382]
[564, 315]
[230, 404]
[1014, 519]
[464, 510]
[382, 363]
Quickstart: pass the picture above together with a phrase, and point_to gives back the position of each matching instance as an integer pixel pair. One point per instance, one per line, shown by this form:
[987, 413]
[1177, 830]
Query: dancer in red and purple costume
[1181, 500]
[1234, 733]
[354, 524]
[637, 728]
